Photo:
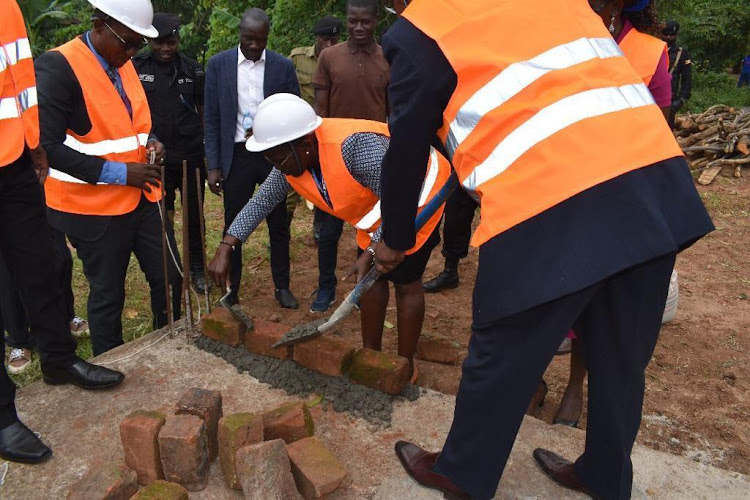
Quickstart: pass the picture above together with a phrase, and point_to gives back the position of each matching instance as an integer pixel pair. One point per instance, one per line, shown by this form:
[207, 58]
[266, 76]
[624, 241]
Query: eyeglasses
[128, 46]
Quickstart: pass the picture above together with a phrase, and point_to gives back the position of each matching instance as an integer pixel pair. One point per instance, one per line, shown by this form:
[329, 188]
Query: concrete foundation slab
[82, 429]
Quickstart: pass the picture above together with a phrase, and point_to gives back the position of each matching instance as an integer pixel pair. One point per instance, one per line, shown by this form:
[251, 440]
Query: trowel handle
[422, 217]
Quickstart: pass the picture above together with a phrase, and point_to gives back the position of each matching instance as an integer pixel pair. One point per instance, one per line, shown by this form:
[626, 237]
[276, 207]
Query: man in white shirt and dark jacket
[237, 80]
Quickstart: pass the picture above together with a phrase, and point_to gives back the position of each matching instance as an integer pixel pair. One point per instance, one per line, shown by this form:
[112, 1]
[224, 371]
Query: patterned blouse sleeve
[272, 192]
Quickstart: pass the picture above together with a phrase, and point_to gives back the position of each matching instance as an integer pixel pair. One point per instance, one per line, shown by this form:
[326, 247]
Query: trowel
[310, 330]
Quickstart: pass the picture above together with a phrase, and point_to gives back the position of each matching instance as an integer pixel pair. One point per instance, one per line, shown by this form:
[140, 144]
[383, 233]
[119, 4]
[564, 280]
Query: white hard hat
[281, 118]
[135, 14]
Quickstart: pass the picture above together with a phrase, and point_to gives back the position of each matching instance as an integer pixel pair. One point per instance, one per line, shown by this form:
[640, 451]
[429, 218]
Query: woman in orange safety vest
[335, 164]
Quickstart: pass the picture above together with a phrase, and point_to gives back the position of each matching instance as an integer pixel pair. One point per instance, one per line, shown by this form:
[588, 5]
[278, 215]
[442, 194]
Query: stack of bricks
[326, 355]
[269, 455]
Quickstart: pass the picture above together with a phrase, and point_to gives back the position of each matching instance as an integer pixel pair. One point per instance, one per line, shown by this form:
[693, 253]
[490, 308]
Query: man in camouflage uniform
[327, 31]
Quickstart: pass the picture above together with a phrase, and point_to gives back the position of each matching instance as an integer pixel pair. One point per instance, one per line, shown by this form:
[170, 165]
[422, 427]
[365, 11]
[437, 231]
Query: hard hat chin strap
[300, 168]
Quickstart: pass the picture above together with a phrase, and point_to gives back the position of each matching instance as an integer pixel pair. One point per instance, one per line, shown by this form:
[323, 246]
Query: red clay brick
[236, 431]
[161, 490]
[139, 433]
[317, 472]
[438, 349]
[379, 370]
[438, 377]
[221, 325]
[205, 404]
[113, 481]
[183, 445]
[325, 355]
[289, 422]
[265, 472]
[264, 336]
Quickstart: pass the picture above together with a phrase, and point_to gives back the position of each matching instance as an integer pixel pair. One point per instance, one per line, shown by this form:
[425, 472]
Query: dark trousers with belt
[459, 214]
[105, 264]
[617, 321]
[26, 247]
[328, 248]
[173, 183]
[248, 171]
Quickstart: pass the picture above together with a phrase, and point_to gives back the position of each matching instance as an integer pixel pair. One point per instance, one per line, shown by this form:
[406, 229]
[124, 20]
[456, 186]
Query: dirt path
[697, 386]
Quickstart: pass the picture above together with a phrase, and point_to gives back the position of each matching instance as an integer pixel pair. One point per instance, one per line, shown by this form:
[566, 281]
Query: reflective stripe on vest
[107, 146]
[532, 124]
[553, 119]
[373, 216]
[19, 114]
[11, 53]
[114, 136]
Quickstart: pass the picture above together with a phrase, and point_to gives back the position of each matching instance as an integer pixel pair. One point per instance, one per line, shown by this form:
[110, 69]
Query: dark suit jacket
[220, 112]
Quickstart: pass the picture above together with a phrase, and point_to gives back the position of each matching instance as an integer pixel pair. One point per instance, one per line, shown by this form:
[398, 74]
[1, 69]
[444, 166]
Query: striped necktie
[114, 77]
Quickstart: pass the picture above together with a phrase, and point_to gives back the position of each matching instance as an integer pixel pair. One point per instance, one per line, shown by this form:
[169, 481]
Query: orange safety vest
[19, 113]
[644, 52]
[113, 136]
[351, 201]
[545, 106]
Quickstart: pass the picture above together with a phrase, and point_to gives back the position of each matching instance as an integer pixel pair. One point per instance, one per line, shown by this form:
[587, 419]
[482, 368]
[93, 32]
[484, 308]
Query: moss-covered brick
[235, 431]
[221, 325]
[379, 370]
[289, 422]
[162, 490]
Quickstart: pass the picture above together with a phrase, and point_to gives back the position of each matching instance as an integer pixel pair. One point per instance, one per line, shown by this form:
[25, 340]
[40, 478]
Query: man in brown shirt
[350, 82]
[352, 77]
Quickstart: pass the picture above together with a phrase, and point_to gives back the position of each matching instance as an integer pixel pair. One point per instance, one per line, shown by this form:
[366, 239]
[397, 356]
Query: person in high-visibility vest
[628, 22]
[335, 164]
[585, 202]
[26, 243]
[102, 191]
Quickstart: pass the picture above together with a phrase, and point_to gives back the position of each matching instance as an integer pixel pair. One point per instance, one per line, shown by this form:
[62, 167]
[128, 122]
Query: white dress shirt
[249, 91]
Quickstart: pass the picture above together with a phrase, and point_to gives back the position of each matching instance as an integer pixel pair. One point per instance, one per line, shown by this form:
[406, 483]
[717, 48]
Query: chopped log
[708, 175]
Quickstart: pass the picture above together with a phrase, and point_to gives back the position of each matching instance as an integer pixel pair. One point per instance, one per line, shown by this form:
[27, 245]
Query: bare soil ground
[697, 399]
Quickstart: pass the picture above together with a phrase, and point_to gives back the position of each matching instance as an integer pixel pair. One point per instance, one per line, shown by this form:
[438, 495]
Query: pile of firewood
[715, 141]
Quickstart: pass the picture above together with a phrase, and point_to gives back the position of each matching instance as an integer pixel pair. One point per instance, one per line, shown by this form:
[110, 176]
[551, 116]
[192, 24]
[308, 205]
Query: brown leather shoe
[418, 464]
[560, 470]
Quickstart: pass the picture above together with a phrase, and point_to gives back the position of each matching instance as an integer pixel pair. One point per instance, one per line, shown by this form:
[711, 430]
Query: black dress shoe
[443, 281]
[286, 299]
[19, 444]
[560, 470]
[82, 374]
[418, 463]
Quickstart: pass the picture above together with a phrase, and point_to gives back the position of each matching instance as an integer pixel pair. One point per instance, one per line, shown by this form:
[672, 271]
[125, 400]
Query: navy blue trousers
[618, 321]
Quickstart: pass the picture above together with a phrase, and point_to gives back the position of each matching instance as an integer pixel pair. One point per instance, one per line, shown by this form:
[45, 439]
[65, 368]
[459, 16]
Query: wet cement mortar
[300, 332]
[338, 393]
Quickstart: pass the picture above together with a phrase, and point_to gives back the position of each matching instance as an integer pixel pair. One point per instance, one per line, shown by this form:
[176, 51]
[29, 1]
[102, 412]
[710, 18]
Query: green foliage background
[716, 32]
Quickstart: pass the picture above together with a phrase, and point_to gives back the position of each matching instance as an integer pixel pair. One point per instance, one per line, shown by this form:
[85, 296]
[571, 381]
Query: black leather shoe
[286, 299]
[560, 470]
[82, 374]
[443, 281]
[19, 444]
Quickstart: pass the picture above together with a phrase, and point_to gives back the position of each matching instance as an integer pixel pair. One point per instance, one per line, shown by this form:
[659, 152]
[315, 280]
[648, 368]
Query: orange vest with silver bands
[351, 201]
[546, 106]
[114, 136]
[19, 112]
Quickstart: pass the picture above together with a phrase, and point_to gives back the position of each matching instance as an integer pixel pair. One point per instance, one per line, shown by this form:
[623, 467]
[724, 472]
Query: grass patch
[136, 317]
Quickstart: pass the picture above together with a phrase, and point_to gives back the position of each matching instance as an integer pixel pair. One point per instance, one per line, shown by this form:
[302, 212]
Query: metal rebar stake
[199, 193]
[186, 252]
[165, 250]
